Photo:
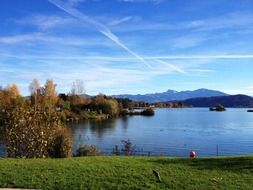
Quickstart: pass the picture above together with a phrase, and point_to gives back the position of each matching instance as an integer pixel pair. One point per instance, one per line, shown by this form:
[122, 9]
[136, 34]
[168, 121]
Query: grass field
[127, 173]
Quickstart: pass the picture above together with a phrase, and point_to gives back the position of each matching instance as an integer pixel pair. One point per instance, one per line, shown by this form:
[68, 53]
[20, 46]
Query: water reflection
[124, 121]
[100, 128]
[92, 132]
[2, 150]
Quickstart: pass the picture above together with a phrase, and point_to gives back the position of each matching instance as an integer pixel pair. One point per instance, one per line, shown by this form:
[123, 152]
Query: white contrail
[116, 22]
[100, 27]
[172, 67]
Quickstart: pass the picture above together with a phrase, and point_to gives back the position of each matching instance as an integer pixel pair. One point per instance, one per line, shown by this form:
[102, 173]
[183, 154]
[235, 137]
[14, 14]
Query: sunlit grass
[127, 173]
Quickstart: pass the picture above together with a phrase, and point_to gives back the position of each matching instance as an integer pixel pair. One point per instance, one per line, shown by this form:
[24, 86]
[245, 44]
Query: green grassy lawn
[127, 173]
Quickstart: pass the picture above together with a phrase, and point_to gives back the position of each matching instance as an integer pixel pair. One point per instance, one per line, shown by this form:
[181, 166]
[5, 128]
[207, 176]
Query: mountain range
[172, 95]
[236, 101]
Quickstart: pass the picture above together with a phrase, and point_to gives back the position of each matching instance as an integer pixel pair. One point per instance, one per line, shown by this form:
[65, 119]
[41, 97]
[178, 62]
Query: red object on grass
[193, 154]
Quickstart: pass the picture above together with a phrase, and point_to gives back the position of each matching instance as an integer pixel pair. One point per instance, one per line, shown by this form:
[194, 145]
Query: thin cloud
[45, 22]
[21, 38]
[202, 70]
[250, 87]
[143, 1]
[74, 3]
[119, 58]
[238, 91]
[225, 56]
[120, 21]
[237, 20]
[97, 77]
[188, 41]
[52, 39]
[99, 26]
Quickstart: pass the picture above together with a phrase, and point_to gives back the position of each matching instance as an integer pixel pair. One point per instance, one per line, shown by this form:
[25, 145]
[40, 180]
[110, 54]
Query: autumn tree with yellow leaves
[29, 132]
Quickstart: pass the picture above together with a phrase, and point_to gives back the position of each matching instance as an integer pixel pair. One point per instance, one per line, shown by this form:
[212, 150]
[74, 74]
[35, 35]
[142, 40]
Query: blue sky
[128, 46]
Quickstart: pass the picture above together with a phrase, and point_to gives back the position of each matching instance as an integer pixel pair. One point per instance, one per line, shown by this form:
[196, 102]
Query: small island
[249, 110]
[146, 112]
[217, 108]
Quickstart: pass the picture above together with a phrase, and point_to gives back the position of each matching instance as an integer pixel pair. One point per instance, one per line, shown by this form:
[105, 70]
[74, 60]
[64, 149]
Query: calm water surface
[173, 132]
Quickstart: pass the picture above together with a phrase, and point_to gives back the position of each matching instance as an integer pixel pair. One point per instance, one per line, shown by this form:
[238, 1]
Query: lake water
[173, 132]
[2, 150]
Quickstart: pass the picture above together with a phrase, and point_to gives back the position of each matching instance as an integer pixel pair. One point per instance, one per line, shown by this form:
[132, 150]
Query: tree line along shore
[35, 126]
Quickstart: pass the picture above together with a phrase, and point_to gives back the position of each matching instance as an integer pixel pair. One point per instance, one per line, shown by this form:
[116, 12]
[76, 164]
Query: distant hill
[227, 101]
[171, 95]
